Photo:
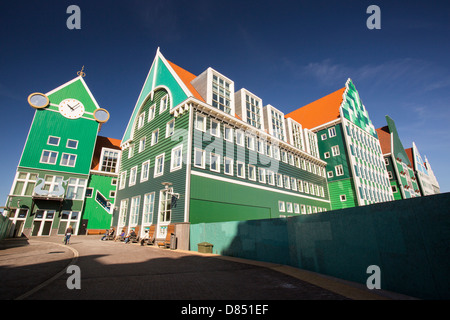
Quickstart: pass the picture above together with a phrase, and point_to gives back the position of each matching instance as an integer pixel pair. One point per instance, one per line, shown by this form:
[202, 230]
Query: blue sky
[289, 53]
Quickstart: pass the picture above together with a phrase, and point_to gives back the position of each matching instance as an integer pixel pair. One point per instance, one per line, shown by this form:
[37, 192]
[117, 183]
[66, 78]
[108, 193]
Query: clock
[38, 100]
[101, 115]
[71, 108]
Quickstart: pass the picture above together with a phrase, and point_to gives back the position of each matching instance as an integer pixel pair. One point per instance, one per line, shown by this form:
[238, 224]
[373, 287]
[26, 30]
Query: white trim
[210, 176]
[233, 121]
[188, 165]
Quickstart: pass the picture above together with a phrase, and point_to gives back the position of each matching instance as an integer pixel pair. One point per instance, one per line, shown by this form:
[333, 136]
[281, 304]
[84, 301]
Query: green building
[348, 143]
[195, 150]
[49, 190]
[401, 174]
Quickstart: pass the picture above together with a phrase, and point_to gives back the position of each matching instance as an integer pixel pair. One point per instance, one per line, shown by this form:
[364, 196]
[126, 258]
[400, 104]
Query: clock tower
[48, 192]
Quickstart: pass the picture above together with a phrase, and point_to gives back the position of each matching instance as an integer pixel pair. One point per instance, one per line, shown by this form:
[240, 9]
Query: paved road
[36, 269]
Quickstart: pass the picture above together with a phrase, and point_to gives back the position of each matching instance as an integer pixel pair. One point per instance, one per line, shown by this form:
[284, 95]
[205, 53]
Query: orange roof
[385, 139]
[321, 111]
[103, 142]
[410, 155]
[186, 77]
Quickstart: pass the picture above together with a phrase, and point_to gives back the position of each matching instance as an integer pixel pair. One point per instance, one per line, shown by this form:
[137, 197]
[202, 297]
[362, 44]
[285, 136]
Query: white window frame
[170, 130]
[230, 136]
[157, 172]
[240, 141]
[71, 140]
[202, 159]
[279, 180]
[142, 144]
[242, 175]
[141, 120]
[332, 132]
[176, 162]
[339, 169]
[145, 171]
[133, 176]
[271, 177]
[262, 175]
[131, 150]
[217, 162]
[155, 137]
[203, 126]
[151, 113]
[335, 151]
[134, 211]
[51, 144]
[281, 206]
[231, 161]
[251, 169]
[148, 208]
[217, 131]
[289, 207]
[123, 212]
[49, 157]
[163, 104]
[68, 160]
[286, 182]
[296, 208]
[123, 180]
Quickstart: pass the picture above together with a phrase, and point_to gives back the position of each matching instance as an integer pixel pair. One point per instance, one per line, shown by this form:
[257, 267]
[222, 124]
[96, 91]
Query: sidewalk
[36, 269]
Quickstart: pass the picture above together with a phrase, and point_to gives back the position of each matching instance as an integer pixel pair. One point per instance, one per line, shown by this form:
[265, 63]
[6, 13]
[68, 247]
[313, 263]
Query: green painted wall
[48, 123]
[164, 145]
[163, 78]
[98, 217]
[342, 187]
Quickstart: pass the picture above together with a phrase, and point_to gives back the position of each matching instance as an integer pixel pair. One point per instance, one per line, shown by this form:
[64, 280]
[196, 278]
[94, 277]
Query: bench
[150, 239]
[167, 241]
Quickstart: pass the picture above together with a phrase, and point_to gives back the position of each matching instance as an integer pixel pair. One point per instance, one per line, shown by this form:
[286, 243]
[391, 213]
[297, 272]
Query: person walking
[69, 232]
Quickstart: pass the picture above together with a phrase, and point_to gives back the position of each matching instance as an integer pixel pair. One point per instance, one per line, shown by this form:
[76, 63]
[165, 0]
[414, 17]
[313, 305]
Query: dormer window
[216, 89]
[221, 94]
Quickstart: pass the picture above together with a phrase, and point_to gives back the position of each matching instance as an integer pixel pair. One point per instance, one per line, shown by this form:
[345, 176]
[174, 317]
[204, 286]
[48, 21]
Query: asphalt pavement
[38, 269]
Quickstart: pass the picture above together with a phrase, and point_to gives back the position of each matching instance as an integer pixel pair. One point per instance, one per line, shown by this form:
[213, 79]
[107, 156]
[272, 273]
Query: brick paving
[117, 271]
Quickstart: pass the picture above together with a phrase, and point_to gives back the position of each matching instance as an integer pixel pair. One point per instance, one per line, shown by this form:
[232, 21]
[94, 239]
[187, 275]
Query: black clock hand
[70, 107]
[76, 106]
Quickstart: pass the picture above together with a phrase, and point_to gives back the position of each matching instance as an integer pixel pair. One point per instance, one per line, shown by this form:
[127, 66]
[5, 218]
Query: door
[165, 211]
[42, 224]
[83, 226]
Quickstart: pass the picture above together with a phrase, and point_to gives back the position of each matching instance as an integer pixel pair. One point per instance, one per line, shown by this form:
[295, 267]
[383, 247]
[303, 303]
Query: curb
[56, 276]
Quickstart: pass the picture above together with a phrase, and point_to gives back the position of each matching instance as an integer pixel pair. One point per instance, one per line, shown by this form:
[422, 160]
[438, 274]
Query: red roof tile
[385, 139]
[321, 111]
[186, 77]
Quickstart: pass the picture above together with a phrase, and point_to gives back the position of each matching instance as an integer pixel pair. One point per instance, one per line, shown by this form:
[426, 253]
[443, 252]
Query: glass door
[42, 223]
[165, 210]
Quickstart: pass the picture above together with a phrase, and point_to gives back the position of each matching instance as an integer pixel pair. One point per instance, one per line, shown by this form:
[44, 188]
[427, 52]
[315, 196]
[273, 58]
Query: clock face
[71, 108]
[38, 100]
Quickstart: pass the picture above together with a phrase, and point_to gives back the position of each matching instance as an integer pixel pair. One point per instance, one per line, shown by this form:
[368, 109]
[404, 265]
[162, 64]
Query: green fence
[5, 225]
[408, 239]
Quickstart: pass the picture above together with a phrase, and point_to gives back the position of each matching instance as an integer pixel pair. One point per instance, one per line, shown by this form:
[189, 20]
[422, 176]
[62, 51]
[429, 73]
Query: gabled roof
[103, 142]
[409, 153]
[385, 139]
[321, 111]
[186, 77]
